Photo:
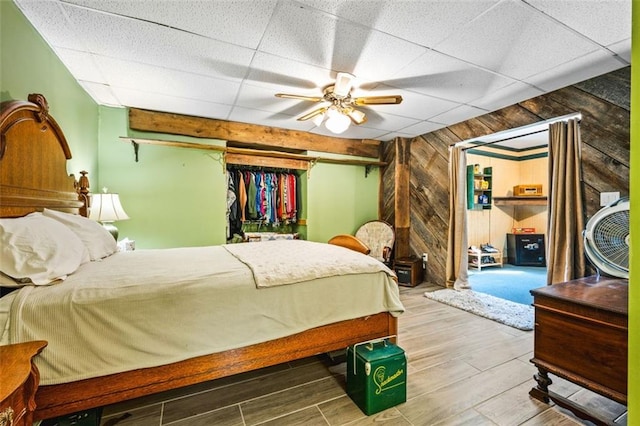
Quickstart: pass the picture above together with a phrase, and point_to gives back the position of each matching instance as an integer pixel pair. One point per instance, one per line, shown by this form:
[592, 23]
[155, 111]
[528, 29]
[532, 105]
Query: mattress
[152, 307]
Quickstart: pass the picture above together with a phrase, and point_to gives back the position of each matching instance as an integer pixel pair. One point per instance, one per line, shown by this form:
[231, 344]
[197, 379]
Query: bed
[34, 181]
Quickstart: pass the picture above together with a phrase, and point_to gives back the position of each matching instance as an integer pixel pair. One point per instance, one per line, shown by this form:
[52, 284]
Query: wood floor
[462, 370]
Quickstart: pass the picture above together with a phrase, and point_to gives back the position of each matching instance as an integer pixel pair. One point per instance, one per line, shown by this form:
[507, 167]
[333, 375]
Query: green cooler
[376, 375]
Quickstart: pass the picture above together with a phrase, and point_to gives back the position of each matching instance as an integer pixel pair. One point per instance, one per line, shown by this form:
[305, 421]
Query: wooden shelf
[258, 157]
[478, 259]
[520, 201]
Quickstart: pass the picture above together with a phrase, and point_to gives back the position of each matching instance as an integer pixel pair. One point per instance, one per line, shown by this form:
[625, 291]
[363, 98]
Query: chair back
[379, 236]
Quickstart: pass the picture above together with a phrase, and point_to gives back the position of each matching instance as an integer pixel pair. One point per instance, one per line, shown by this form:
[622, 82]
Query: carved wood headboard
[33, 162]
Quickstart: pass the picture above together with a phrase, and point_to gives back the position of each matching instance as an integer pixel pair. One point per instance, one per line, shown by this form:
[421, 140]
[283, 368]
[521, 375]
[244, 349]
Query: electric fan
[606, 239]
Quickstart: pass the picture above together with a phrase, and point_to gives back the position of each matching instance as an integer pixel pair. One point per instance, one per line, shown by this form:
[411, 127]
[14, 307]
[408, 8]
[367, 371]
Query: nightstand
[19, 383]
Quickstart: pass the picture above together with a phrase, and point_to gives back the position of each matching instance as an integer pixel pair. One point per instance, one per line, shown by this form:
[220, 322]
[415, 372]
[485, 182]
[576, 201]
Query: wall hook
[136, 147]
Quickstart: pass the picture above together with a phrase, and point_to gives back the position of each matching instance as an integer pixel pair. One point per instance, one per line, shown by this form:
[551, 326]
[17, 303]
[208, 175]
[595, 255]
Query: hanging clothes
[268, 196]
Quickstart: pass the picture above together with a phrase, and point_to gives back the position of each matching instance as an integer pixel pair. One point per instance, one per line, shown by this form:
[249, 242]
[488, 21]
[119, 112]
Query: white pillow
[95, 237]
[35, 249]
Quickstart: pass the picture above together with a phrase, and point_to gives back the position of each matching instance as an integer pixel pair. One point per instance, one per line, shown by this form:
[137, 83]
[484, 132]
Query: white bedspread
[287, 262]
[104, 319]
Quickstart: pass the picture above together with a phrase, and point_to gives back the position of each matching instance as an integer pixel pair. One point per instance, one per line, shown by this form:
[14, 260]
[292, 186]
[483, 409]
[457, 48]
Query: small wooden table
[19, 383]
[497, 257]
[581, 335]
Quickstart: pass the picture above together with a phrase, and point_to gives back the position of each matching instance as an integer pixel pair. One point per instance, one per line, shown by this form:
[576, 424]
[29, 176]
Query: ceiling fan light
[337, 123]
[317, 120]
[357, 116]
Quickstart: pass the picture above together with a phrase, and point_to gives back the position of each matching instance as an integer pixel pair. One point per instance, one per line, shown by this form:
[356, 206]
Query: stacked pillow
[43, 248]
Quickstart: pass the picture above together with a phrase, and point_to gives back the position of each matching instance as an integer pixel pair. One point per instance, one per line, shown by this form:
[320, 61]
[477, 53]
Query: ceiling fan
[339, 105]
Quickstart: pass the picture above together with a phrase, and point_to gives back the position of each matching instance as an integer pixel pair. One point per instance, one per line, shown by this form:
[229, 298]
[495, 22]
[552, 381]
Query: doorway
[503, 163]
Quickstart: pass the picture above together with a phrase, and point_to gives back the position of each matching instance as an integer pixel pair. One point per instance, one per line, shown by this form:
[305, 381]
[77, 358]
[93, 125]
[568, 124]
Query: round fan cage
[606, 239]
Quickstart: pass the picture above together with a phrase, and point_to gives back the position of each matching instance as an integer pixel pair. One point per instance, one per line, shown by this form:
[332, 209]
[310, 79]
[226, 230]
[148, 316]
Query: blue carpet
[509, 282]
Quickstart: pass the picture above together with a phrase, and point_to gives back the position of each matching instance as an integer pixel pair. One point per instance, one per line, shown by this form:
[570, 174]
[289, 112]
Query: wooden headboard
[33, 162]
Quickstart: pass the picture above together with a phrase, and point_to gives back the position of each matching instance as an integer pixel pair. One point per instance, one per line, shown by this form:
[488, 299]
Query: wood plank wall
[604, 103]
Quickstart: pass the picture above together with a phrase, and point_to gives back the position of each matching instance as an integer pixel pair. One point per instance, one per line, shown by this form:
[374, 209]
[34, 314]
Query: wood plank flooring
[462, 370]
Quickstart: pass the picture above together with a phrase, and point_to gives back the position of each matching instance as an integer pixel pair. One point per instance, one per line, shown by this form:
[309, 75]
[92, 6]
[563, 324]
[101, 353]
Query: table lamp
[106, 209]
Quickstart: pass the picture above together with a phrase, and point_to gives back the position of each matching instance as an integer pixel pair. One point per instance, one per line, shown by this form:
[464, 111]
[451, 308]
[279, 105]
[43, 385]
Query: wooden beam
[272, 137]
[265, 161]
[402, 199]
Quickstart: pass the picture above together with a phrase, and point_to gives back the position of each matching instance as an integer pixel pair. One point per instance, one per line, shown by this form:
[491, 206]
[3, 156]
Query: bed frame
[33, 176]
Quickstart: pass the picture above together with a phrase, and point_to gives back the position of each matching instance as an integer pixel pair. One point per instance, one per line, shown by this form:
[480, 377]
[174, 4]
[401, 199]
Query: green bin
[376, 375]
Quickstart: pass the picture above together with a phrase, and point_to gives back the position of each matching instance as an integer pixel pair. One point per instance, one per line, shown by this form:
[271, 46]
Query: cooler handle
[369, 342]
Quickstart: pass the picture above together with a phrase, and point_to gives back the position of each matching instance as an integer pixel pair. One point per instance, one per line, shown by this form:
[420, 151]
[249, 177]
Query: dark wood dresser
[18, 383]
[581, 335]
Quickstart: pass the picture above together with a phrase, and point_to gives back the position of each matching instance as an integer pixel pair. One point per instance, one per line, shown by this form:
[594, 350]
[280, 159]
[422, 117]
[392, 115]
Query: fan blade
[300, 97]
[313, 114]
[378, 100]
[356, 116]
[343, 84]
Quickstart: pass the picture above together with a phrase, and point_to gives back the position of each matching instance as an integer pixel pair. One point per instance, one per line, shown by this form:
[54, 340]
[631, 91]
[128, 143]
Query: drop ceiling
[226, 59]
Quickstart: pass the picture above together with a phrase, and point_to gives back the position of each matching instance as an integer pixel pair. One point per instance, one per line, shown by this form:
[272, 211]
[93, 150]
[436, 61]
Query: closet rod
[480, 145]
[254, 152]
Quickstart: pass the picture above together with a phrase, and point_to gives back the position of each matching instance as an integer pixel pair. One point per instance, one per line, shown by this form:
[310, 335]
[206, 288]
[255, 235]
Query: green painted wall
[634, 190]
[177, 196]
[28, 65]
[340, 199]
[174, 196]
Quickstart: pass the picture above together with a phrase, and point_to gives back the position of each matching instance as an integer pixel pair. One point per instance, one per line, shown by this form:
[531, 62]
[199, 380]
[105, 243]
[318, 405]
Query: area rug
[506, 312]
[509, 282]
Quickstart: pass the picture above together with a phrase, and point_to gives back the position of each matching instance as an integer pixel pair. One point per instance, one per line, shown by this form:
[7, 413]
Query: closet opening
[264, 203]
[507, 210]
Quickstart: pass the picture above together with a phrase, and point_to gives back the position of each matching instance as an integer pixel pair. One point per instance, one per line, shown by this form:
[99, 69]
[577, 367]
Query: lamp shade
[106, 208]
[336, 121]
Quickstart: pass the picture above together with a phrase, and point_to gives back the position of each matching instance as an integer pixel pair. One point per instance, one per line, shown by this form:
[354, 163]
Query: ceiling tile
[240, 22]
[458, 114]
[603, 21]
[376, 119]
[423, 127]
[50, 19]
[81, 64]
[285, 75]
[101, 93]
[449, 60]
[516, 40]
[449, 78]
[506, 96]
[583, 68]
[622, 49]
[414, 105]
[320, 39]
[148, 78]
[132, 40]
[267, 118]
[164, 103]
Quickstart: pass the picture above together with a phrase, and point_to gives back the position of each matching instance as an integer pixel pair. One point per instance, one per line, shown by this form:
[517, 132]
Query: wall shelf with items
[479, 186]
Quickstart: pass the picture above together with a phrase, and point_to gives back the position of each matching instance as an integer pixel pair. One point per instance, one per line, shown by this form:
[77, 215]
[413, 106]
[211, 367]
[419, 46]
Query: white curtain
[457, 257]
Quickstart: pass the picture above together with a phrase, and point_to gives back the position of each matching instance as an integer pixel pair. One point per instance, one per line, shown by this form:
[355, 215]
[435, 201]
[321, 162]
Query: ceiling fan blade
[313, 113]
[378, 100]
[356, 116]
[344, 82]
[300, 97]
